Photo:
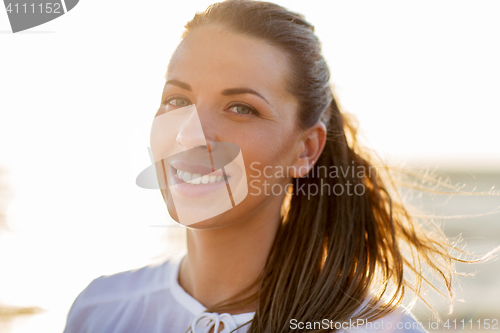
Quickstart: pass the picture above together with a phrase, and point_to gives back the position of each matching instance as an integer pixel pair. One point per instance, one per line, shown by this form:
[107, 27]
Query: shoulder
[397, 321]
[106, 292]
[99, 306]
[127, 284]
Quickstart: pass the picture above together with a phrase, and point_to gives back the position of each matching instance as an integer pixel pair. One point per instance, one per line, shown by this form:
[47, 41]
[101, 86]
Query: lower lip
[194, 191]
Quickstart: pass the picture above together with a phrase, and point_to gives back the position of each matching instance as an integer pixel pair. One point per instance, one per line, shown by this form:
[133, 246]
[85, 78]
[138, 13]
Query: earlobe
[300, 168]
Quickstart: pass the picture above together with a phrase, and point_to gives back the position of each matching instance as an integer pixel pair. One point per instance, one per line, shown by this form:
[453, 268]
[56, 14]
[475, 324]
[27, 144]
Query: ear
[310, 147]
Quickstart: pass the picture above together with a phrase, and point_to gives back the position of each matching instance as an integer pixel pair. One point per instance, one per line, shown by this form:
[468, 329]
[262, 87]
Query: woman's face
[238, 87]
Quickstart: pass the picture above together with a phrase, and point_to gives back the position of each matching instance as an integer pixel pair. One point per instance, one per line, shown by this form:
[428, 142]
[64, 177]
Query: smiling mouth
[196, 178]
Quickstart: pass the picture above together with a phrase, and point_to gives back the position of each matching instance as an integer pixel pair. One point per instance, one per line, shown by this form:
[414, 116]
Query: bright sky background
[78, 94]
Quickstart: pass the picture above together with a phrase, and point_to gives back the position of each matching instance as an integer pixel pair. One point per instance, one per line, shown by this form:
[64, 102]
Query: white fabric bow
[203, 322]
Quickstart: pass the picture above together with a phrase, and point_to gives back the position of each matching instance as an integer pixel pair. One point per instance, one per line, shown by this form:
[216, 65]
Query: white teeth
[195, 179]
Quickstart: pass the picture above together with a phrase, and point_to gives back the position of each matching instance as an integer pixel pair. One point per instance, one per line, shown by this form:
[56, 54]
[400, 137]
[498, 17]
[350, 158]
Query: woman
[313, 243]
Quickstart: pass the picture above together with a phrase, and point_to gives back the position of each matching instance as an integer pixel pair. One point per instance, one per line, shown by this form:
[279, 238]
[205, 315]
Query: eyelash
[251, 109]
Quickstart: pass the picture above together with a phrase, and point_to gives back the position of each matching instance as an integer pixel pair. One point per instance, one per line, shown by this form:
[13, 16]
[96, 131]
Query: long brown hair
[331, 252]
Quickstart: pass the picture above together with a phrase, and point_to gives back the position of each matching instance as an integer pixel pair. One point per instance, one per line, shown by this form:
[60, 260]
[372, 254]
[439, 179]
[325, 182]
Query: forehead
[212, 56]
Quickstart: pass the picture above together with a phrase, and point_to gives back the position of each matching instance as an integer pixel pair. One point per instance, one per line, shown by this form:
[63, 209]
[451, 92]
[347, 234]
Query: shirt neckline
[189, 302]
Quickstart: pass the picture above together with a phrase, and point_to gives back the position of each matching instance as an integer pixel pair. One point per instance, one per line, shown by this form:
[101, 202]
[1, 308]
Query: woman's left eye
[242, 109]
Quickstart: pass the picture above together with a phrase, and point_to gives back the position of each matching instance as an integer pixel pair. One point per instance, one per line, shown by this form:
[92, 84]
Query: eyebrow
[226, 92]
[179, 84]
[237, 91]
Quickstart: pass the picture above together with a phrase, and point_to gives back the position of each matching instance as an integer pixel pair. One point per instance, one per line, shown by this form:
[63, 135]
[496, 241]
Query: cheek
[272, 146]
[267, 157]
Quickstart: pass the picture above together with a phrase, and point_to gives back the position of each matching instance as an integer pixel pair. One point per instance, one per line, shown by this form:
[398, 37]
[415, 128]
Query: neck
[222, 262]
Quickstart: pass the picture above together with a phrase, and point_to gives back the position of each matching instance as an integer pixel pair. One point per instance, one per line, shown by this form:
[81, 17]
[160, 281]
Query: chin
[210, 223]
[224, 219]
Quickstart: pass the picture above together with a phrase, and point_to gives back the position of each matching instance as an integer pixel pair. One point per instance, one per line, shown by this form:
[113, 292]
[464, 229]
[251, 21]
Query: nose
[191, 133]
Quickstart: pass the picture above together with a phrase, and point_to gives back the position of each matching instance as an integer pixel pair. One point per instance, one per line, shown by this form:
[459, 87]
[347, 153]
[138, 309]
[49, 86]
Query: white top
[151, 300]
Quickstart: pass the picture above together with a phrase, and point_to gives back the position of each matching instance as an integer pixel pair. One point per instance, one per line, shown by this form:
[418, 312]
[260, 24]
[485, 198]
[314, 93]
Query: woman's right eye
[177, 101]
